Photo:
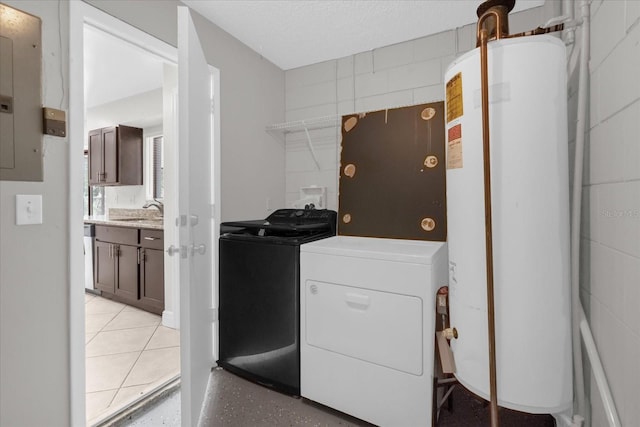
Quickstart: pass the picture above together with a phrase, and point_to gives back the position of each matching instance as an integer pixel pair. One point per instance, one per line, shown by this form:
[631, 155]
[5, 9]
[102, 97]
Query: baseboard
[169, 320]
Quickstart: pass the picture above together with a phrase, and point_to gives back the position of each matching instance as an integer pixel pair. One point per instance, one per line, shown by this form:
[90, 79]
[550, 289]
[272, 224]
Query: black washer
[259, 294]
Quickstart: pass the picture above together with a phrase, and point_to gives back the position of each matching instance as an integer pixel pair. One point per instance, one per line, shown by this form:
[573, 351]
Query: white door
[195, 223]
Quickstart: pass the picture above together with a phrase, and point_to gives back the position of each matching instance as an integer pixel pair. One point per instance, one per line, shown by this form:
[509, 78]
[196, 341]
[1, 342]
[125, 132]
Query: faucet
[156, 203]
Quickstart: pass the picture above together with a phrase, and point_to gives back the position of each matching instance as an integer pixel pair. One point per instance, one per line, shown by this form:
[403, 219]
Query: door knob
[201, 249]
[172, 250]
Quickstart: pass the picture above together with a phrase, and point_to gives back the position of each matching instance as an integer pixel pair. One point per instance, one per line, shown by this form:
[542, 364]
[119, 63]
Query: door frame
[80, 14]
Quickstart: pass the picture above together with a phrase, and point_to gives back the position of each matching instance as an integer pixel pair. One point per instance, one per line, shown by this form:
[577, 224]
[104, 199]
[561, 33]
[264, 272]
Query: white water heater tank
[530, 198]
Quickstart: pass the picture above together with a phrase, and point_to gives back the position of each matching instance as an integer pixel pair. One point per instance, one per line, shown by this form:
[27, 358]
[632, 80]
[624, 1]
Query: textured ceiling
[294, 33]
[290, 33]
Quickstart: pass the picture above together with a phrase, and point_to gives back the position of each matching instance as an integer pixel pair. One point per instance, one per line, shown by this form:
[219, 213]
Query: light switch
[28, 209]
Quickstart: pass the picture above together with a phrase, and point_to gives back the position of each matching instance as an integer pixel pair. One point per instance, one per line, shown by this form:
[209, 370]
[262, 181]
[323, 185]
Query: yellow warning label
[454, 147]
[454, 97]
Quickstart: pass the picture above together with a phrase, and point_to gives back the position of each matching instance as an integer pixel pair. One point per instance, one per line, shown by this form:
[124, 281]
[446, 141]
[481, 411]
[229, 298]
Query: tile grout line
[115, 314]
[124, 379]
[132, 366]
[144, 349]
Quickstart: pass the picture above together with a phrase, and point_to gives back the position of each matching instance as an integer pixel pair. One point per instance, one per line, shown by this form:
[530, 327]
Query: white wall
[34, 276]
[143, 110]
[251, 97]
[611, 204]
[34, 308]
[403, 74]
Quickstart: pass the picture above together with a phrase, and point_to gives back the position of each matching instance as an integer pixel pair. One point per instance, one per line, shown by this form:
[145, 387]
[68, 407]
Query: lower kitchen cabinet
[152, 268]
[129, 266]
[127, 272]
[105, 267]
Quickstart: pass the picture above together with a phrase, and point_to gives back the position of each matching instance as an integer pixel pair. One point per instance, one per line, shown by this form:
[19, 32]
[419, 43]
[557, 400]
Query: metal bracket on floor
[450, 384]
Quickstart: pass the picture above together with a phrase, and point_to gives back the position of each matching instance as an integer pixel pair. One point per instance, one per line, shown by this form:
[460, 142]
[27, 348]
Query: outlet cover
[28, 209]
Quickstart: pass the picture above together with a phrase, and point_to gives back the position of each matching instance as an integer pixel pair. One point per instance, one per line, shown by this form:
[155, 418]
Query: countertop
[130, 218]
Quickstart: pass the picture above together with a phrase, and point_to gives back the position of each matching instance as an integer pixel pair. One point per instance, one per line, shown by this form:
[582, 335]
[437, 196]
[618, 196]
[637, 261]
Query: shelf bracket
[306, 125]
[310, 145]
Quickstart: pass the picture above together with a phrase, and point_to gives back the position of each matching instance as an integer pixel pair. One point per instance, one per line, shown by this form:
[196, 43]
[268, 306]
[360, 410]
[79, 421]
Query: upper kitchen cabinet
[115, 156]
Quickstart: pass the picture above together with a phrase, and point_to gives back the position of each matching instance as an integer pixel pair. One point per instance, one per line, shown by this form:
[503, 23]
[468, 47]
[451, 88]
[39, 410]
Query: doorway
[150, 104]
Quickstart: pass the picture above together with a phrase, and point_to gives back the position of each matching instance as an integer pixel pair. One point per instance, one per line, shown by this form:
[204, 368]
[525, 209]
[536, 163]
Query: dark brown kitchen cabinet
[127, 280]
[152, 268]
[117, 261]
[105, 267]
[129, 266]
[115, 156]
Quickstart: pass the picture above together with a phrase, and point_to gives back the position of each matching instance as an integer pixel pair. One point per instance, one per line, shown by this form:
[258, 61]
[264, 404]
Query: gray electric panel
[20, 96]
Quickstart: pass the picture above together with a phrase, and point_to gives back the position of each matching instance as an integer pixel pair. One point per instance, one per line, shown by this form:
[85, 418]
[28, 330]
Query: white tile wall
[392, 56]
[402, 74]
[311, 112]
[585, 219]
[313, 94]
[610, 346]
[363, 62]
[631, 124]
[618, 79]
[611, 250]
[608, 35]
[385, 100]
[632, 13]
[415, 75]
[594, 93]
[607, 148]
[346, 88]
[631, 364]
[346, 67]
[631, 296]
[466, 38]
[310, 74]
[434, 47]
[374, 83]
[427, 94]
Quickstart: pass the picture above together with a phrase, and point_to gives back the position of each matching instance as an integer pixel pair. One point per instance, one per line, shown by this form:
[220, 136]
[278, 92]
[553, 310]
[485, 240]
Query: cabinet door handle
[110, 250]
[151, 238]
[138, 256]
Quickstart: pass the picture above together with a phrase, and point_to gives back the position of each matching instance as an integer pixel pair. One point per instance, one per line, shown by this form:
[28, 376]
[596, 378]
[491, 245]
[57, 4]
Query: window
[93, 196]
[155, 167]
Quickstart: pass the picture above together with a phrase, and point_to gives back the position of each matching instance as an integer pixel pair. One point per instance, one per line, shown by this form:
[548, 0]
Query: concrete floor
[234, 402]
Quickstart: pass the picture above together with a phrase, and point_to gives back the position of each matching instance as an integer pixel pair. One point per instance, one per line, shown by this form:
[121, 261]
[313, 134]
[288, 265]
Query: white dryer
[367, 326]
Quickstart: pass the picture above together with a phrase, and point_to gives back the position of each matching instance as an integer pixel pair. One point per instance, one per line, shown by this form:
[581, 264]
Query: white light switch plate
[28, 209]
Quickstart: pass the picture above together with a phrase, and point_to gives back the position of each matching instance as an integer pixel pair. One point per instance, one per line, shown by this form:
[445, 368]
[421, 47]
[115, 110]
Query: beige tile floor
[128, 353]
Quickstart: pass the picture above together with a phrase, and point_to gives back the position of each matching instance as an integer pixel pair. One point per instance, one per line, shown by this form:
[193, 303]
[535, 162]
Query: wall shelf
[306, 125]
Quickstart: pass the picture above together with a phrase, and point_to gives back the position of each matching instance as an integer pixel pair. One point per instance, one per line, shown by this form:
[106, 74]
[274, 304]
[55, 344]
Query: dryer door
[377, 327]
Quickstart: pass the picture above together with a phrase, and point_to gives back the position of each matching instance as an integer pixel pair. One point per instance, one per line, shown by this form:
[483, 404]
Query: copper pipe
[493, 383]
[498, 34]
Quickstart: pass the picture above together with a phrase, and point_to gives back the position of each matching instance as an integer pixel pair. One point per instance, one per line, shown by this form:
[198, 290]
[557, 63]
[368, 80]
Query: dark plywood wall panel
[392, 174]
